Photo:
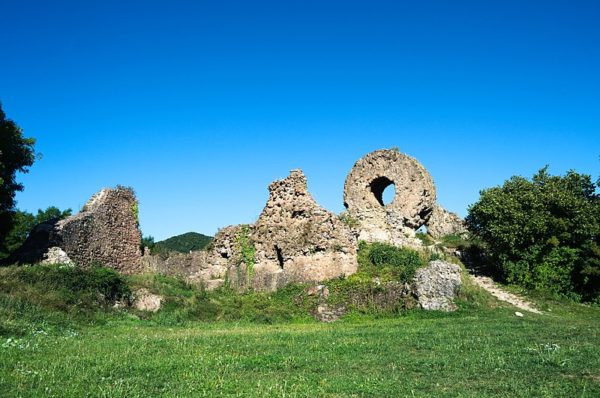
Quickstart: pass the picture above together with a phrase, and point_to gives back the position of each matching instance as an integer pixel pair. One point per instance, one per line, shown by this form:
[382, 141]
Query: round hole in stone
[384, 190]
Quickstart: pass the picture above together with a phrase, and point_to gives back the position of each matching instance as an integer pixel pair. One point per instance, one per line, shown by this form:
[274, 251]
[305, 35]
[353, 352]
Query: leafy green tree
[16, 155]
[542, 233]
[147, 241]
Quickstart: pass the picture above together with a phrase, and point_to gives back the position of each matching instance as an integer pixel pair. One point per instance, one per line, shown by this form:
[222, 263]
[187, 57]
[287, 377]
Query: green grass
[61, 337]
[472, 353]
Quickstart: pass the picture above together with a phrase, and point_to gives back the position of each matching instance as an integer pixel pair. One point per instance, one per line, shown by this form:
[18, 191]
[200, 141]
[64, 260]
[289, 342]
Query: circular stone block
[371, 175]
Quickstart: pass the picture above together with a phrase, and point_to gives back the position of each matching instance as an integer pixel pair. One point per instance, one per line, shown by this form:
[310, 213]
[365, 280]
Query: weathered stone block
[436, 285]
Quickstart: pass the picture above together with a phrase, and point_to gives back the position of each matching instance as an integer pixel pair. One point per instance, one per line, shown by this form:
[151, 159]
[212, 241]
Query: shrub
[401, 262]
[542, 233]
[76, 282]
[350, 221]
[425, 239]
[454, 241]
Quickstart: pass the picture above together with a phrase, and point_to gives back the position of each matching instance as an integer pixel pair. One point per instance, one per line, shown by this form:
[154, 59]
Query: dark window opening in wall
[279, 256]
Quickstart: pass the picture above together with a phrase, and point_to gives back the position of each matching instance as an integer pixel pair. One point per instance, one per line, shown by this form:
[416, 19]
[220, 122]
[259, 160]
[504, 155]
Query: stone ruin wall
[413, 206]
[443, 222]
[294, 239]
[297, 240]
[104, 232]
[410, 208]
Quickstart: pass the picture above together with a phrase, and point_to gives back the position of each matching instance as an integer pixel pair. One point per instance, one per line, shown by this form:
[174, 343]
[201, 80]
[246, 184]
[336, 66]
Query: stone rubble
[56, 255]
[328, 313]
[144, 300]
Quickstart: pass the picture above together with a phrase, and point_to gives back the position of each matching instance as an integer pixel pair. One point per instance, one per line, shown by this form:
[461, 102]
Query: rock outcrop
[104, 232]
[443, 223]
[411, 207]
[436, 286]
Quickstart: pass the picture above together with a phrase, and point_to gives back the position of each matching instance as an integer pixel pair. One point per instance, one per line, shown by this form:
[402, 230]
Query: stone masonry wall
[443, 223]
[411, 207]
[297, 240]
[104, 232]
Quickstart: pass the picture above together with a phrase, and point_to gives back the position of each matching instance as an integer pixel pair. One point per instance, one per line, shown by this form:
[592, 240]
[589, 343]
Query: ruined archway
[412, 204]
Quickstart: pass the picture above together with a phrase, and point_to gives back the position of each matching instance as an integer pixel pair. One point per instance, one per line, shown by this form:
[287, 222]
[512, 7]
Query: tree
[16, 155]
[147, 241]
[542, 233]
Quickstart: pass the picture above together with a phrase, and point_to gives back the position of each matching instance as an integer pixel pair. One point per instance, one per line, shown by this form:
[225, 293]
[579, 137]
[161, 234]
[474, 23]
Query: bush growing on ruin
[389, 262]
[542, 233]
[424, 238]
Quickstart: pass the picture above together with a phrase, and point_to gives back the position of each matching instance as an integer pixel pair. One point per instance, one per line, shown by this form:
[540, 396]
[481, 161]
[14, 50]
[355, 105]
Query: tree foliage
[542, 233]
[147, 241]
[16, 155]
[184, 243]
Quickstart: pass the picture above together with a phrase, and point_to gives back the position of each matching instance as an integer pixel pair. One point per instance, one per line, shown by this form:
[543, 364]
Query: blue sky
[200, 105]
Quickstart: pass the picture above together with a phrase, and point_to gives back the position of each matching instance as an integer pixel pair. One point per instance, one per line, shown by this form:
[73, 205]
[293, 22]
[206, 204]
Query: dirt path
[489, 285]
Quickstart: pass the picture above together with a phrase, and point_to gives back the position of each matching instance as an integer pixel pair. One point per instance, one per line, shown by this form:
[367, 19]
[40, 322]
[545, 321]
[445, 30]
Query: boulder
[56, 255]
[328, 313]
[146, 301]
[436, 285]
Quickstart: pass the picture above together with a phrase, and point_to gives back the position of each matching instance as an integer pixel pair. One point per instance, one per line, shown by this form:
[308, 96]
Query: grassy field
[471, 353]
[60, 336]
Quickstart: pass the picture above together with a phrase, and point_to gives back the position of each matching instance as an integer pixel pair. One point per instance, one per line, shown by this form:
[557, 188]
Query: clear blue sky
[200, 105]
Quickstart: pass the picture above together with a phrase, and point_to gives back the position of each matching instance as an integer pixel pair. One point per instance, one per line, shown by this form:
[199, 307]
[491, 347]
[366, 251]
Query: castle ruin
[294, 239]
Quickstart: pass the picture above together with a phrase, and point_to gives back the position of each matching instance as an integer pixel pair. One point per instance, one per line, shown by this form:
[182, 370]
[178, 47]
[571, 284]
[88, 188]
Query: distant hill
[184, 243]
